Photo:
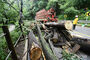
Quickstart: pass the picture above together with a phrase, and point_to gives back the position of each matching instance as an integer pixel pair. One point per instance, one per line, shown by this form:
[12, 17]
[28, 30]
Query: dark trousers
[74, 26]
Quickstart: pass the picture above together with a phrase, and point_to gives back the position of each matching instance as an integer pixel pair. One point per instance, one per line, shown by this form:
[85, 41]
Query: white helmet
[76, 16]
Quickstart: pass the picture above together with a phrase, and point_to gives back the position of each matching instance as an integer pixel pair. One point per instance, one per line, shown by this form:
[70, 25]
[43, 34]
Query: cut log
[81, 41]
[48, 36]
[66, 35]
[75, 48]
[59, 44]
[62, 26]
[34, 46]
[55, 36]
[42, 27]
[67, 48]
[46, 49]
[56, 50]
[32, 25]
[68, 25]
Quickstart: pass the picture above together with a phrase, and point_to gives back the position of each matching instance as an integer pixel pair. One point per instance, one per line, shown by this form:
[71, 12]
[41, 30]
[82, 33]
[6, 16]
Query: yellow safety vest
[75, 21]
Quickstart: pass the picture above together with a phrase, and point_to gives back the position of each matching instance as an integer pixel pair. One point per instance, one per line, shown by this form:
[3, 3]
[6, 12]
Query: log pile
[42, 14]
[54, 40]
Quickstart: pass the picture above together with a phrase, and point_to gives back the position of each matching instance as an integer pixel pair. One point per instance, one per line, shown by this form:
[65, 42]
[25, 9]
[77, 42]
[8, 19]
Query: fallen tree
[81, 41]
[55, 36]
[46, 49]
[67, 25]
[34, 46]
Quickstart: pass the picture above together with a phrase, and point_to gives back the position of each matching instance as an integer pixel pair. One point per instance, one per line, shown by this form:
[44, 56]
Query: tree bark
[46, 49]
[75, 48]
[61, 26]
[55, 36]
[34, 46]
[56, 50]
[81, 41]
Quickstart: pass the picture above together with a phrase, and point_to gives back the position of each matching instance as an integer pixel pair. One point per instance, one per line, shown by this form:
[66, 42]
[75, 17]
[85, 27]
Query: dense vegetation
[9, 13]
[9, 9]
[62, 7]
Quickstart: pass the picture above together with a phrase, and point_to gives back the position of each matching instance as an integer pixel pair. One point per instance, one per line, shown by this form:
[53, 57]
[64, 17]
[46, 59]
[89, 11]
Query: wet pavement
[85, 33]
[81, 31]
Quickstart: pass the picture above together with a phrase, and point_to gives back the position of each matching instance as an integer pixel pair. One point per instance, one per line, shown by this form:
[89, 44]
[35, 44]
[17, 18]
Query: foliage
[69, 7]
[69, 56]
[61, 17]
[34, 6]
[3, 45]
[82, 17]
[9, 11]
[15, 34]
[71, 12]
[51, 3]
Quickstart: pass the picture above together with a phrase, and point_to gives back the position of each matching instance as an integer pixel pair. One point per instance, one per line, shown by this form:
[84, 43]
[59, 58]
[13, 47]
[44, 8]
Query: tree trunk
[75, 48]
[81, 41]
[46, 49]
[62, 26]
[56, 50]
[34, 46]
[55, 36]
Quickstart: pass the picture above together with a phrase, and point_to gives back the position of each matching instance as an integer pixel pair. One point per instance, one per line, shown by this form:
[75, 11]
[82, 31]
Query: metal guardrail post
[9, 42]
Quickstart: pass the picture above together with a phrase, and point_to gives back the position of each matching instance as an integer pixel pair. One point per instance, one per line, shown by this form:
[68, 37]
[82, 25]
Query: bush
[69, 56]
[61, 17]
[71, 12]
[3, 45]
[14, 35]
[82, 17]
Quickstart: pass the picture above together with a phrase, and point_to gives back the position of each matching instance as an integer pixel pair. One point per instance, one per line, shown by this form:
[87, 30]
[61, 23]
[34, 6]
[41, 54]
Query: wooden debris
[48, 36]
[46, 49]
[44, 27]
[83, 42]
[55, 36]
[32, 25]
[75, 48]
[62, 26]
[67, 48]
[56, 50]
[25, 50]
[55, 39]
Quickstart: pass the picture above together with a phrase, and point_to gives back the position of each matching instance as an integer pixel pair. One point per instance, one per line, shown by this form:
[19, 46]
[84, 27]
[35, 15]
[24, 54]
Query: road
[85, 33]
[81, 31]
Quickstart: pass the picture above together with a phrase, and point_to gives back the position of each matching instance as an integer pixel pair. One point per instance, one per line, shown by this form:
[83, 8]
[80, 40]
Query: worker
[75, 22]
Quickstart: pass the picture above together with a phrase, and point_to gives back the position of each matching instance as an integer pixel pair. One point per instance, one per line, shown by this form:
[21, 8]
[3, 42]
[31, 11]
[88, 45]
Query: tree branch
[11, 6]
